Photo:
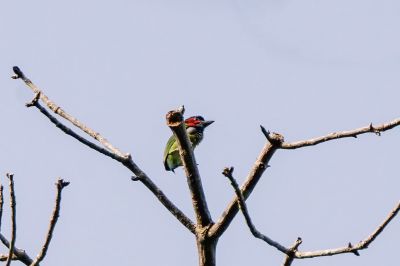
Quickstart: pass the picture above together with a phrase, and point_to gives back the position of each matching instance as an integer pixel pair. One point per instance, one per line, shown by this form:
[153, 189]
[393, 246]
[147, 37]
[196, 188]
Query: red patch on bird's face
[194, 121]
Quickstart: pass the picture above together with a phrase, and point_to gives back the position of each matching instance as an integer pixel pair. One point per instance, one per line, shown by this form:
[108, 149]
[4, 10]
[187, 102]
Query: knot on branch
[273, 138]
[355, 251]
[374, 130]
[175, 117]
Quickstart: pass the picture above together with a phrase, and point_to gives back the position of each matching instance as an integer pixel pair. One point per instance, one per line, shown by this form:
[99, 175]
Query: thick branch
[177, 125]
[13, 219]
[111, 152]
[343, 134]
[292, 252]
[61, 184]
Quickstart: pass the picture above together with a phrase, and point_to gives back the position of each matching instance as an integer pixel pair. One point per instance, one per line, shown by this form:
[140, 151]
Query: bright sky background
[300, 68]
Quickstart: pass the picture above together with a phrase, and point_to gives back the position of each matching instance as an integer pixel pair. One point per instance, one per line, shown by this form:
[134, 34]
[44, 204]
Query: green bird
[195, 126]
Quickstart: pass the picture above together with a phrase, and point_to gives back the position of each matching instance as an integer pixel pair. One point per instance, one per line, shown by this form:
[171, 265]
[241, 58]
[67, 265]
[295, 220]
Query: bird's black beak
[207, 123]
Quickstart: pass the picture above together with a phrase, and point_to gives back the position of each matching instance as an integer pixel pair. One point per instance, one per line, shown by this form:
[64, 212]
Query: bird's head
[197, 122]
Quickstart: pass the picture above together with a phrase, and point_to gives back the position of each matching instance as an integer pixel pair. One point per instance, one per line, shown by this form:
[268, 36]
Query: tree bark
[206, 249]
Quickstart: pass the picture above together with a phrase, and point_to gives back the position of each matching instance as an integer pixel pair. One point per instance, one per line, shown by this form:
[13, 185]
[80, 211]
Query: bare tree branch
[20, 253]
[176, 122]
[343, 134]
[293, 253]
[251, 181]
[350, 248]
[228, 173]
[110, 151]
[70, 132]
[57, 109]
[276, 141]
[13, 219]
[174, 210]
[1, 204]
[61, 184]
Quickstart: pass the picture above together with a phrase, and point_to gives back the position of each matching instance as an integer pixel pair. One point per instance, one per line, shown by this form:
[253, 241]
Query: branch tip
[228, 171]
[273, 138]
[18, 73]
[61, 183]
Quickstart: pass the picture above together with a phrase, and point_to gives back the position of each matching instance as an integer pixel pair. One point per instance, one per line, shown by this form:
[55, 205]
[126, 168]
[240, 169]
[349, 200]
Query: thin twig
[350, 248]
[61, 184]
[20, 253]
[1, 204]
[176, 123]
[70, 132]
[260, 165]
[13, 219]
[343, 134]
[228, 172]
[292, 252]
[59, 111]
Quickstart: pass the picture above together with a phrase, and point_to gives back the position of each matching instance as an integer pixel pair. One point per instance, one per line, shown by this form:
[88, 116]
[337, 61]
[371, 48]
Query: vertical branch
[176, 123]
[13, 219]
[1, 204]
[54, 217]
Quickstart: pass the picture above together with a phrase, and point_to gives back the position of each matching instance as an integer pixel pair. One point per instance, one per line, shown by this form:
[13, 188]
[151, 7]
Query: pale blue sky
[301, 68]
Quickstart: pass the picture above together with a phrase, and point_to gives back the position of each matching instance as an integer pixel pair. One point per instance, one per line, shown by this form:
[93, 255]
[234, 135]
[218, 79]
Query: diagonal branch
[177, 125]
[109, 149]
[61, 184]
[252, 179]
[338, 135]
[350, 248]
[13, 219]
[59, 111]
[292, 252]
[70, 132]
[242, 205]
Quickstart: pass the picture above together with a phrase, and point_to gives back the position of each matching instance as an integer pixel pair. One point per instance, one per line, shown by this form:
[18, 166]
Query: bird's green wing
[171, 147]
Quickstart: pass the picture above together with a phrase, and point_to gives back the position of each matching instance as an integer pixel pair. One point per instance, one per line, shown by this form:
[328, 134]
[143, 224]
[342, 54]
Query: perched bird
[195, 126]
